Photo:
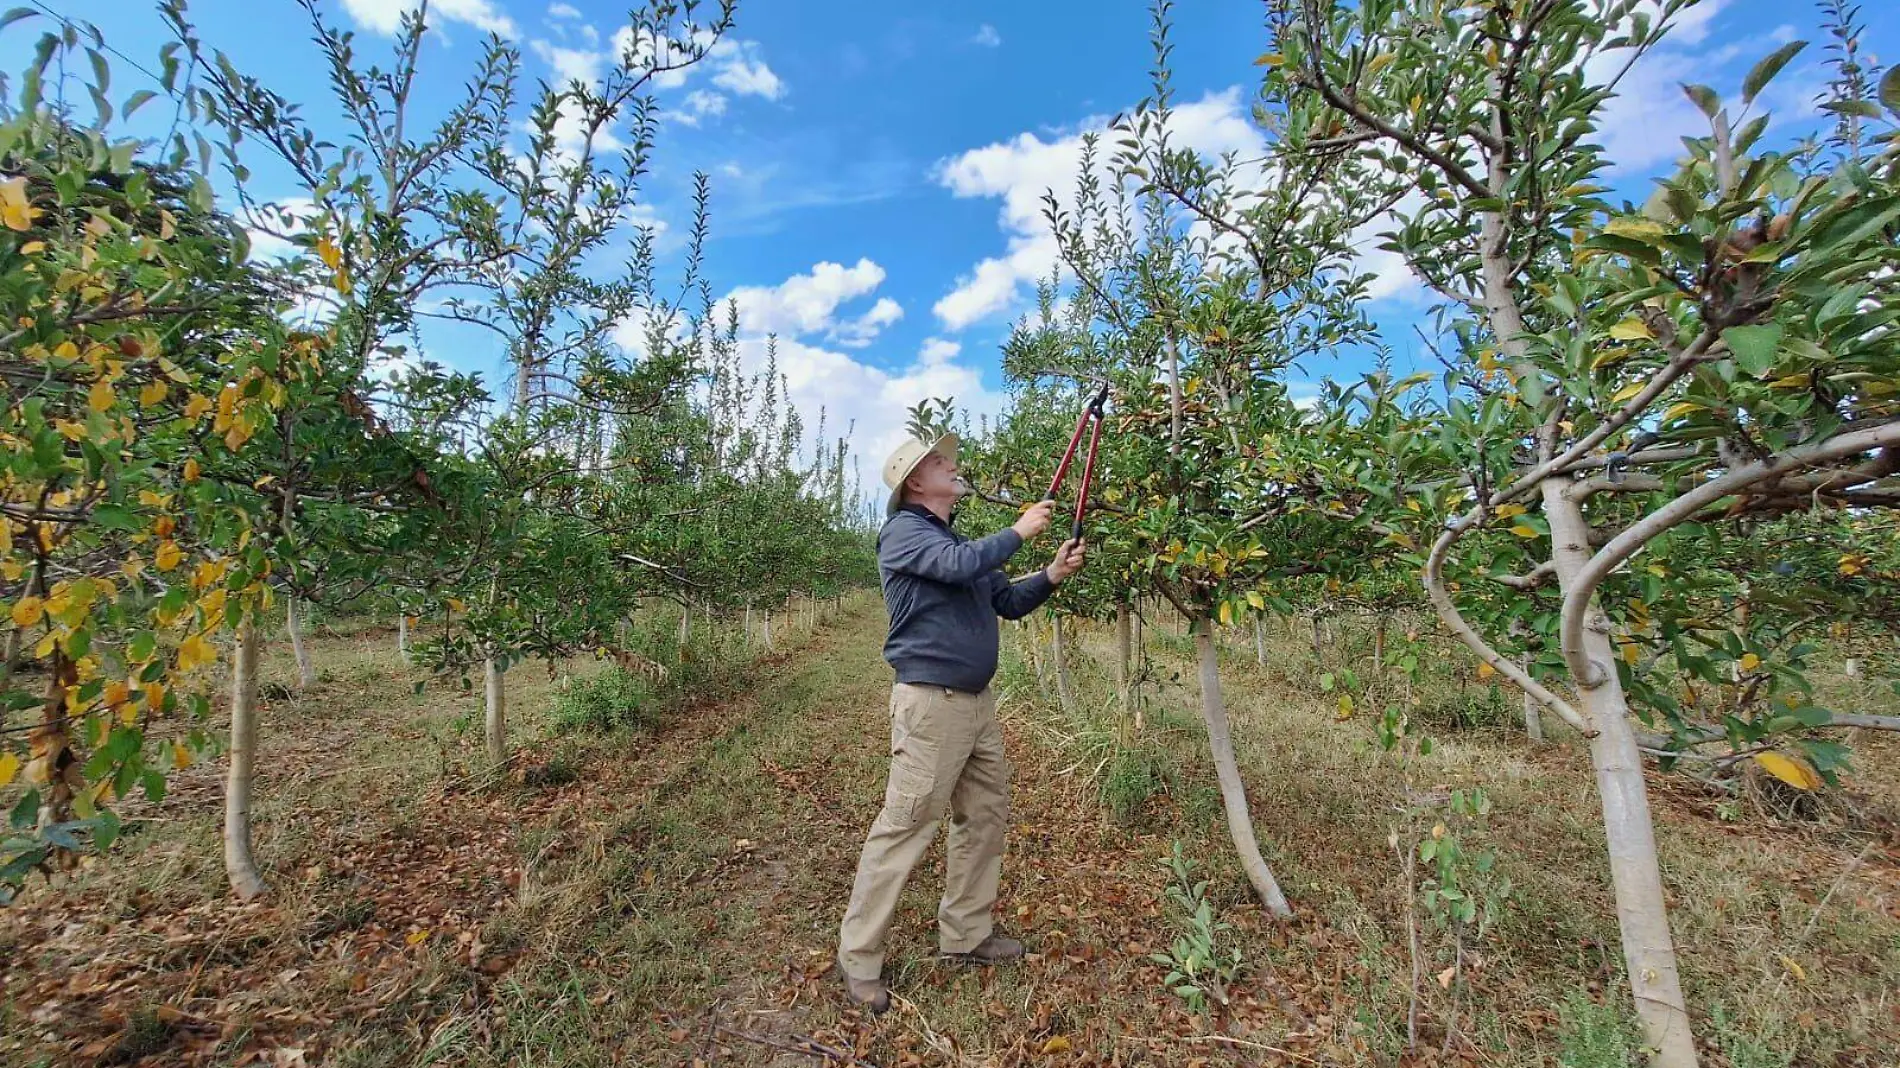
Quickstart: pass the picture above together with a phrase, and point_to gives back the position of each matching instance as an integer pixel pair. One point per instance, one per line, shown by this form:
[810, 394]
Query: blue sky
[878, 167]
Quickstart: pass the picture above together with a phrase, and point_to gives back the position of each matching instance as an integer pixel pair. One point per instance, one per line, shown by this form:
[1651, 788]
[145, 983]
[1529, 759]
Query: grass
[662, 879]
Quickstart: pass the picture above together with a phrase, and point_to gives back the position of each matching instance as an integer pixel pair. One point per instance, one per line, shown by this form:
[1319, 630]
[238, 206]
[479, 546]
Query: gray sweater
[944, 593]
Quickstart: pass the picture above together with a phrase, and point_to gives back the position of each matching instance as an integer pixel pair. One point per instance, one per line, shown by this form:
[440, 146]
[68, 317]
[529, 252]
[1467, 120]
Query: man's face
[934, 479]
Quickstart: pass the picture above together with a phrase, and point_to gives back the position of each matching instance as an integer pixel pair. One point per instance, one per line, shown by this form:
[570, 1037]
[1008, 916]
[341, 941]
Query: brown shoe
[869, 994]
[995, 949]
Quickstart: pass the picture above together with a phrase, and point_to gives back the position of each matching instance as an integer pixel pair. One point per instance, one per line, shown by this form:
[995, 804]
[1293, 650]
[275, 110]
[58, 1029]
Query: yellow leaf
[153, 392]
[191, 471]
[416, 938]
[1254, 598]
[343, 283]
[1677, 410]
[194, 652]
[1445, 977]
[28, 610]
[1630, 653]
[1793, 969]
[32, 247]
[327, 251]
[1380, 62]
[9, 767]
[1226, 612]
[1524, 531]
[1345, 706]
[1640, 229]
[14, 208]
[167, 226]
[1271, 59]
[1792, 772]
[1610, 357]
[1790, 382]
[1058, 1044]
[101, 396]
[1750, 661]
[169, 554]
[1632, 329]
[456, 605]
[1485, 671]
[1510, 511]
[1411, 504]
[181, 756]
[197, 406]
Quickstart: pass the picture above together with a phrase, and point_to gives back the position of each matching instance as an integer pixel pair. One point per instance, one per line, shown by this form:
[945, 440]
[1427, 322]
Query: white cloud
[700, 104]
[807, 304]
[563, 11]
[385, 16]
[572, 64]
[740, 67]
[859, 332]
[1019, 171]
[987, 36]
[871, 400]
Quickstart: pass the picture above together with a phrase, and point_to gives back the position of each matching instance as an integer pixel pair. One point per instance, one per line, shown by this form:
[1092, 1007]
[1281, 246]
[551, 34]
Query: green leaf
[1770, 66]
[1861, 108]
[1704, 98]
[1890, 90]
[136, 101]
[16, 15]
[1754, 346]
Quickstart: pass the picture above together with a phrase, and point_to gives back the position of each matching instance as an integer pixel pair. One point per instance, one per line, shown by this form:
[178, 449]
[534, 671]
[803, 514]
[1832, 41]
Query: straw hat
[905, 459]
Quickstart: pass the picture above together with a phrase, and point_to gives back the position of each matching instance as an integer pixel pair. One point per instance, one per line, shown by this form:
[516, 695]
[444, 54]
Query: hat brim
[945, 446]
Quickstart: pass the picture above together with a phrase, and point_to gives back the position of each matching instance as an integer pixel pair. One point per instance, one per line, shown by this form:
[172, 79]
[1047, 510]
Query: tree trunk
[1319, 653]
[1378, 645]
[686, 626]
[1141, 661]
[9, 659]
[1233, 793]
[748, 626]
[54, 765]
[239, 866]
[1124, 671]
[1059, 650]
[1533, 711]
[306, 673]
[768, 629]
[402, 636]
[495, 711]
[1260, 640]
[1649, 952]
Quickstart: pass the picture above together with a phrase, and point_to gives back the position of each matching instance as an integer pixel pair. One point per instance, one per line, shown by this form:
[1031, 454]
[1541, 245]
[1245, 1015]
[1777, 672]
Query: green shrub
[610, 701]
[1131, 778]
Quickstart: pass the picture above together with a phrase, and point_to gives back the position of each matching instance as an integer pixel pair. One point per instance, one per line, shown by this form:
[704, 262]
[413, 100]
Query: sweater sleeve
[1014, 600]
[913, 546]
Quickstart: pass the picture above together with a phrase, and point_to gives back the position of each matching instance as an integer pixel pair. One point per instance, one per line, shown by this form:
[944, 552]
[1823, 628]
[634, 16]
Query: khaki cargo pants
[946, 756]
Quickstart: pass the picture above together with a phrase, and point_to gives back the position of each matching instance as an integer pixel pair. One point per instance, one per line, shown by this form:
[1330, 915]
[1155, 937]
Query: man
[944, 593]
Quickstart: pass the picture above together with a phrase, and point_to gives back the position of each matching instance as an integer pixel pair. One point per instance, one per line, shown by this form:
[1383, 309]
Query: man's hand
[1034, 520]
[1069, 560]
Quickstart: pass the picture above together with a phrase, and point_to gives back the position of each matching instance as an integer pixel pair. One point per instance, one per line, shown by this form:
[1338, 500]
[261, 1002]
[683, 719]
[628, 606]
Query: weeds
[1596, 1036]
[1200, 966]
